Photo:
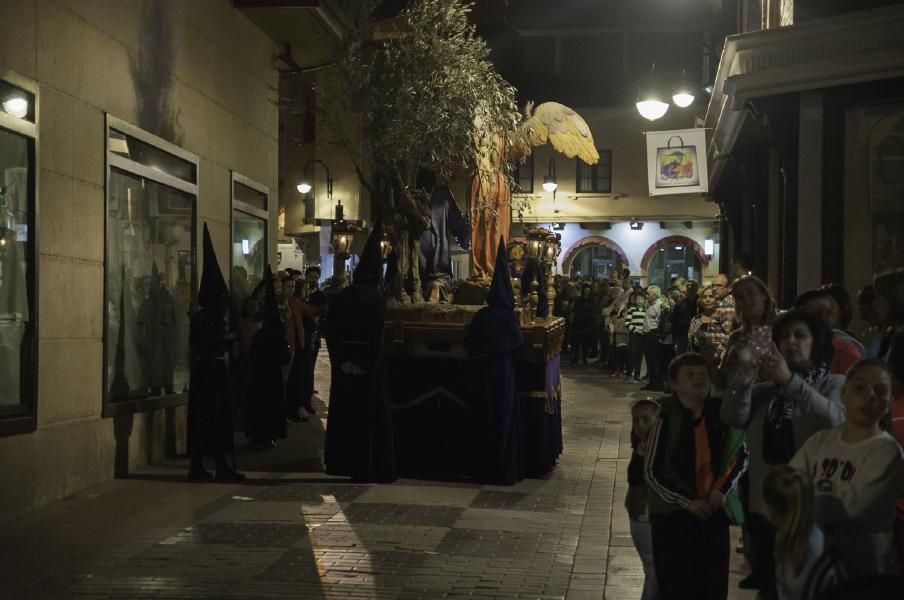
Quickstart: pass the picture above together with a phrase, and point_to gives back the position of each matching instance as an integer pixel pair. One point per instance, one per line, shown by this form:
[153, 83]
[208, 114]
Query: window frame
[528, 160]
[25, 420]
[594, 178]
[252, 211]
[112, 160]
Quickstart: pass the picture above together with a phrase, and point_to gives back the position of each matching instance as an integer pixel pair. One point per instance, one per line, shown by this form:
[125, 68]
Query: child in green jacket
[693, 463]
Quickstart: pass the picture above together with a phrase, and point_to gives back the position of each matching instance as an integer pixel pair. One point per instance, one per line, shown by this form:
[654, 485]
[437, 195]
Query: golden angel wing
[562, 127]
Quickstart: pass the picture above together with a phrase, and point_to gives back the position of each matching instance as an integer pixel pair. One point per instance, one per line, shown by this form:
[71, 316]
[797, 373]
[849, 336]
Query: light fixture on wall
[307, 184]
[652, 101]
[549, 180]
[246, 247]
[17, 106]
[708, 247]
[636, 225]
[683, 96]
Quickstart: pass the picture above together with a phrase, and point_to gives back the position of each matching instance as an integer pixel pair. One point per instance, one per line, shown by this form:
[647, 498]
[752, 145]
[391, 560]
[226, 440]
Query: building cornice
[846, 49]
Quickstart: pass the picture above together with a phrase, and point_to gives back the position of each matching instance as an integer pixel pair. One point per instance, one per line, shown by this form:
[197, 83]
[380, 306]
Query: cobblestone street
[292, 532]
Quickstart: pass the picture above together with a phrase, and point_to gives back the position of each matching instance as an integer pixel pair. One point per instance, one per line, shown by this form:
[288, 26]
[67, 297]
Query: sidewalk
[292, 532]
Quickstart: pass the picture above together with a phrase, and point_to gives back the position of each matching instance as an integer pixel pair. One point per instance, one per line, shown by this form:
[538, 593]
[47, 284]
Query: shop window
[18, 317]
[249, 239]
[596, 178]
[671, 261]
[150, 269]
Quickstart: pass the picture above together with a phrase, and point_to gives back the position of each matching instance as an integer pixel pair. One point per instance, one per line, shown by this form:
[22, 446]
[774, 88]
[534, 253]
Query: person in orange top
[297, 388]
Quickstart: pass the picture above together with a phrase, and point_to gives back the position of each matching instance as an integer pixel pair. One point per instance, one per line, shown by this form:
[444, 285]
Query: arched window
[597, 261]
[669, 258]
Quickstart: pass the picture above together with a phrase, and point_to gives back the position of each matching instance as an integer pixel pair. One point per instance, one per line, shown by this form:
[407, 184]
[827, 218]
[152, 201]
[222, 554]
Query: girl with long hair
[788, 495]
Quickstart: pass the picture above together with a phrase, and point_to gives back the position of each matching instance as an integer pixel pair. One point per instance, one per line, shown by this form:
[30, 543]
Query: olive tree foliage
[415, 94]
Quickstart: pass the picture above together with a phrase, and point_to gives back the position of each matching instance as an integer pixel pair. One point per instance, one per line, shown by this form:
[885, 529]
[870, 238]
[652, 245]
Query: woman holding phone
[781, 398]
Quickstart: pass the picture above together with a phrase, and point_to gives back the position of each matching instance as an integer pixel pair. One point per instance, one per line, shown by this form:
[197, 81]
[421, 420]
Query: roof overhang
[842, 50]
[312, 28]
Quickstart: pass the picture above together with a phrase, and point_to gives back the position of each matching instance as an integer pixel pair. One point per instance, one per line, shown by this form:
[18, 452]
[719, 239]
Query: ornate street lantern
[343, 234]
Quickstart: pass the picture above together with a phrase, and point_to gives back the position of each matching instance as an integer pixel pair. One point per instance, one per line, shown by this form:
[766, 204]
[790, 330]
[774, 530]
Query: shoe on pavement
[228, 474]
[199, 474]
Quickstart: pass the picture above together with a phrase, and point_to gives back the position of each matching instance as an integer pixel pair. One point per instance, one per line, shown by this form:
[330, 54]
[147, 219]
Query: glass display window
[151, 273]
[18, 315]
[250, 226]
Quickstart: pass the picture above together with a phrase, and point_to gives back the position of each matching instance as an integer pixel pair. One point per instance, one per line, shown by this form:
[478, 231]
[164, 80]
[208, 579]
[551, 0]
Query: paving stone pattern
[292, 532]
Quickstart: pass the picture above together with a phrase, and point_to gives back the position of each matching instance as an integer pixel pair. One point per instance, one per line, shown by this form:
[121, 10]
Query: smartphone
[761, 341]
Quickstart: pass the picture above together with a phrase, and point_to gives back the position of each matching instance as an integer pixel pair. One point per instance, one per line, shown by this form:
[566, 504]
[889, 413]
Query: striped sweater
[634, 319]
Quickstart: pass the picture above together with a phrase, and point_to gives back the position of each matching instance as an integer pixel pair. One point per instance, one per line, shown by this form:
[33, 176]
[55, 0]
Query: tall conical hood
[369, 270]
[270, 311]
[500, 294]
[213, 291]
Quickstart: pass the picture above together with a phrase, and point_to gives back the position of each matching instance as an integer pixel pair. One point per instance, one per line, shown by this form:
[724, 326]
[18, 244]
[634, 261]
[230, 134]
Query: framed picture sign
[676, 162]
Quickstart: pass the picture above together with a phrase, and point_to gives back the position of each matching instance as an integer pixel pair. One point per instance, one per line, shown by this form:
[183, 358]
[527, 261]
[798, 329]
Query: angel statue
[490, 192]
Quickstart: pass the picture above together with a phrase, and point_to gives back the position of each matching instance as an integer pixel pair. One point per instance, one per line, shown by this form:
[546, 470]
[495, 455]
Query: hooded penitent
[265, 413]
[214, 291]
[495, 328]
[369, 270]
[492, 337]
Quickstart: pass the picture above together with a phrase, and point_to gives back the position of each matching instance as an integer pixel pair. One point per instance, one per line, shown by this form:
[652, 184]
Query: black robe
[359, 435]
[492, 337]
[209, 404]
[265, 411]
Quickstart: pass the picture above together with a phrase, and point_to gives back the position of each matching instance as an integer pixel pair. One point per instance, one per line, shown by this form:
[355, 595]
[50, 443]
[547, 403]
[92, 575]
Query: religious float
[439, 408]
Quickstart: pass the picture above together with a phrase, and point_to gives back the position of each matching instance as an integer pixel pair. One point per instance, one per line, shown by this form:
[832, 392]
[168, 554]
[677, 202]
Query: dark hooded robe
[209, 405]
[265, 413]
[359, 433]
[492, 337]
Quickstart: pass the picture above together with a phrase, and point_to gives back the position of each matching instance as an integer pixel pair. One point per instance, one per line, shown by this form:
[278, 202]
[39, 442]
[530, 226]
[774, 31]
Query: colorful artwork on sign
[676, 162]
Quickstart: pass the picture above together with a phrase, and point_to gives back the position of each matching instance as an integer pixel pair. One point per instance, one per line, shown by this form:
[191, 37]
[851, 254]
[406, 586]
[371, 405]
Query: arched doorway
[674, 256]
[594, 256]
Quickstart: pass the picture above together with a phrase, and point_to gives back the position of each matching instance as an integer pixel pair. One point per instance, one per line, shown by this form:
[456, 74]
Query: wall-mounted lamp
[683, 96]
[651, 102]
[307, 184]
[549, 180]
[708, 247]
[17, 106]
[636, 225]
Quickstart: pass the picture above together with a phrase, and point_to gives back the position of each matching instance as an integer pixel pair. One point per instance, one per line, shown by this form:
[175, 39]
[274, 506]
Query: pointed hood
[500, 294]
[213, 291]
[369, 270]
[270, 311]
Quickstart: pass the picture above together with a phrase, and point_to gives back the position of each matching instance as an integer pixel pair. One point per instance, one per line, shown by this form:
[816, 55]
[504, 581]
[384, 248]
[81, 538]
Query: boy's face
[642, 418]
[866, 396]
[638, 299]
[691, 382]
